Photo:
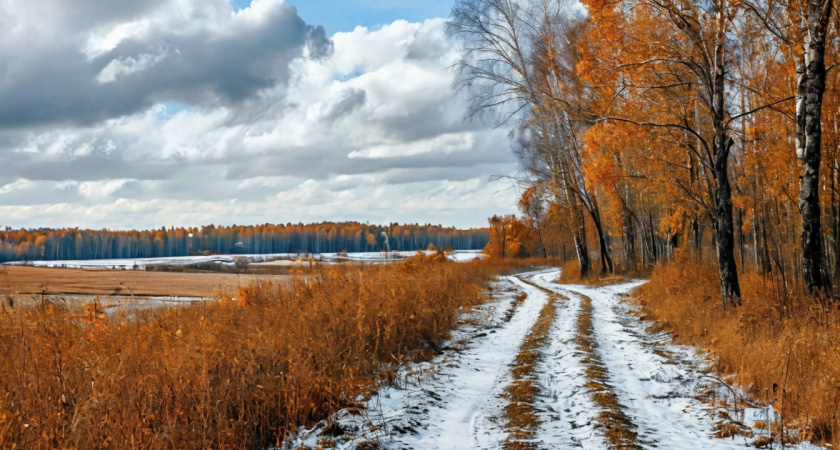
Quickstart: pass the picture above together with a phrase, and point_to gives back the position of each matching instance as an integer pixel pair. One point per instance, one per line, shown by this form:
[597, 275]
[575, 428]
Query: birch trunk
[813, 259]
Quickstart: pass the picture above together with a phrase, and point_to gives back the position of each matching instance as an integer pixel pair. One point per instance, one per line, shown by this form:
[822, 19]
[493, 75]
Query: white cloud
[444, 144]
[103, 41]
[374, 132]
[125, 66]
[17, 185]
[98, 190]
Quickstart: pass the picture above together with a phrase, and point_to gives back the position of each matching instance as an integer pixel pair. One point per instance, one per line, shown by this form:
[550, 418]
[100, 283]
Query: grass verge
[520, 415]
[782, 349]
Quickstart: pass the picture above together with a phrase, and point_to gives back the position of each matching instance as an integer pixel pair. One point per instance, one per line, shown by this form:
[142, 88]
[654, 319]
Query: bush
[241, 263]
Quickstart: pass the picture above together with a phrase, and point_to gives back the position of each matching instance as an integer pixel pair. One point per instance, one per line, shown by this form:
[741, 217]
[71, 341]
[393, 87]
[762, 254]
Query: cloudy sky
[149, 113]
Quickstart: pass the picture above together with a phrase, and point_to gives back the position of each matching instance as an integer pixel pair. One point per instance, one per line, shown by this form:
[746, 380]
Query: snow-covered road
[602, 381]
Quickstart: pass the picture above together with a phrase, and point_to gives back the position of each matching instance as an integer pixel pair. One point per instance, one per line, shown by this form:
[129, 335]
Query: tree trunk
[765, 252]
[835, 220]
[604, 249]
[654, 256]
[740, 229]
[580, 243]
[729, 285]
[629, 240]
[813, 260]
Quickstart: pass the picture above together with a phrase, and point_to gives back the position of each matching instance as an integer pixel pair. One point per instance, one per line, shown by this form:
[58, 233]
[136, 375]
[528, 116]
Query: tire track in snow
[658, 393]
[470, 413]
[457, 400]
[520, 413]
[619, 430]
[569, 418]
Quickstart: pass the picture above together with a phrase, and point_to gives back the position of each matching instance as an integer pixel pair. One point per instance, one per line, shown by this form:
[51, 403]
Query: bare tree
[519, 62]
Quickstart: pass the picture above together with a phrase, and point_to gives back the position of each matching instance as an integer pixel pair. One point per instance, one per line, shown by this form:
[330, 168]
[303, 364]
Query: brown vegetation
[16, 280]
[620, 430]
[782, 348]
[520, 414]
[242, 372]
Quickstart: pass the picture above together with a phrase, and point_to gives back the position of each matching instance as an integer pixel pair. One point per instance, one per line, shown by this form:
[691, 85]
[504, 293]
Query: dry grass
[782, 350]
[520, 416]
[17, 280]
[619, 430]
[242, 372]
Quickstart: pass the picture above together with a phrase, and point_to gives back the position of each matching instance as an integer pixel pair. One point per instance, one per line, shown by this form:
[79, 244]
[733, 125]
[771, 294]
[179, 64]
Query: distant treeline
[327, 237]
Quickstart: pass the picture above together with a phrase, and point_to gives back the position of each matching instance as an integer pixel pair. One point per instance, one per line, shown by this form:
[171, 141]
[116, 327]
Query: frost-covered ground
[457, 402]
[140, 263]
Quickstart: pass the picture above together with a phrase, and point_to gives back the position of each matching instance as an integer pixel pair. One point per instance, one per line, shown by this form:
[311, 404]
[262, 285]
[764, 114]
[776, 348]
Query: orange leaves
[245, 296]
[512, 238]
[93, 313]
[528, 198]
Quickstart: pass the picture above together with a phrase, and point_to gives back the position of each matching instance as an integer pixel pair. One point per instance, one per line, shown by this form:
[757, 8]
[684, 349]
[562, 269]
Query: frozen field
[140, 263]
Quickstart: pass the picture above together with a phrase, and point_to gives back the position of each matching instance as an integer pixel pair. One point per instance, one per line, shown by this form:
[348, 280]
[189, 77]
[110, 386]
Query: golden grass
[570, 274]
[619, 430]
[784, 351]
[242, 372]
[17, 280]
[520, 416]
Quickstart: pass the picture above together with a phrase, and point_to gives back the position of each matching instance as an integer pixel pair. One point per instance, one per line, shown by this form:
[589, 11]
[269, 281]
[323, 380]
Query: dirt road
[548, 366]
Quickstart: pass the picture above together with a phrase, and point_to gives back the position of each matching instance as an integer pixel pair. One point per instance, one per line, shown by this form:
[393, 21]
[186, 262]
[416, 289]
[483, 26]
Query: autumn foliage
[241, 372]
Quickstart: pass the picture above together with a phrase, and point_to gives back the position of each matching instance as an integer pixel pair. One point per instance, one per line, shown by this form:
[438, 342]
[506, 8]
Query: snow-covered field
[140, 263]
[456, 401]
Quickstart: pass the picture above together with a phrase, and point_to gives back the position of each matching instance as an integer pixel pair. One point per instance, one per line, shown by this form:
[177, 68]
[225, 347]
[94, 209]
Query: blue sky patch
[345, 15]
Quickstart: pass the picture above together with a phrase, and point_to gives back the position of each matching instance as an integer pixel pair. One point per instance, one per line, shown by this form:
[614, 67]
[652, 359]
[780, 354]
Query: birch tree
[512, 67]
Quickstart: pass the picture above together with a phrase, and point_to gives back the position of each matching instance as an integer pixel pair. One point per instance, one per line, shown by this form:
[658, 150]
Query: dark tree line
[327, 237]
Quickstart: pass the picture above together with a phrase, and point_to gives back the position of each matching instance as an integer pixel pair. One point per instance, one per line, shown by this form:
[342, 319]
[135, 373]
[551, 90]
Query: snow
[141, 263]
[455, 401]
[656, 381]
[570, 416]
[465, 255]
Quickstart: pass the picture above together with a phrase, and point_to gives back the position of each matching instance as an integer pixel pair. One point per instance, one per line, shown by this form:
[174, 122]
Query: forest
[647, 129]
[327, 237]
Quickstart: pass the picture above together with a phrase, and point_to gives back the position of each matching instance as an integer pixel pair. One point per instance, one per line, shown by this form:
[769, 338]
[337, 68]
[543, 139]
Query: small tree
[241, 263]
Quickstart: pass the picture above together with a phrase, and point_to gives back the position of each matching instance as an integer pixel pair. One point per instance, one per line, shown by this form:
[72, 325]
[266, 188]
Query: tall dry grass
[783, 349]
[242, 372]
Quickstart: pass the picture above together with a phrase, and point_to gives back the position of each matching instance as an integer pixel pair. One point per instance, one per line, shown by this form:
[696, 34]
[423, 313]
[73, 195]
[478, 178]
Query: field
[242, 372]
[20, 283]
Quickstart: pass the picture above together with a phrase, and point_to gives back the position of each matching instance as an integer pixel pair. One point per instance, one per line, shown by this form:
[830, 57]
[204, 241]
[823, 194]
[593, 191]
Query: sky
[156, 113]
